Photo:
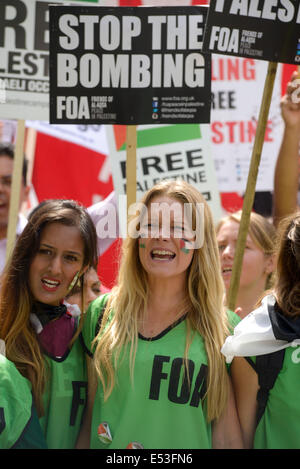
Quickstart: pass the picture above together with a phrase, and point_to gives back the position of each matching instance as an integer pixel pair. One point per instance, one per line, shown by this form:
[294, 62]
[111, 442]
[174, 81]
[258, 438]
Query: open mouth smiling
[162, 254]
[50, 284]
[226, 270]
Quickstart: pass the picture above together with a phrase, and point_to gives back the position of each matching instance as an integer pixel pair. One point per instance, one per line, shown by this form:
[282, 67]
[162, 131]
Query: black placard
[257, 29]
[128, 65]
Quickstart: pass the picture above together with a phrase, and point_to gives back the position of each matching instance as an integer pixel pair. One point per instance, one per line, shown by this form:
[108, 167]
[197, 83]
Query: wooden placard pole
[251, 184]
[15, 188]
[30, 146]
[131, 140]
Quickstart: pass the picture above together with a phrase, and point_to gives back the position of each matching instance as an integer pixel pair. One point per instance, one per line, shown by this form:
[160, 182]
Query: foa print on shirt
[180, 391]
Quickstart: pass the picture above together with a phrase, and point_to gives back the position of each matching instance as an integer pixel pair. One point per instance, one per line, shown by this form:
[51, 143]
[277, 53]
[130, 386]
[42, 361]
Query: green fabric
[32, 436]
[166, 135]
[19, 425]
[65, 398]
[157, 408]
[279, 427]
[233, 319]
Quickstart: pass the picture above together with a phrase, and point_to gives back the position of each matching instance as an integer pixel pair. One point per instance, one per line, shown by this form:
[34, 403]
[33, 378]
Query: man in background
[6, 172]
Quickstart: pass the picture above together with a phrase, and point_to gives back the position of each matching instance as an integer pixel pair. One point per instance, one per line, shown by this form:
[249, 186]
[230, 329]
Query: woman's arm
[286, 176]
[245, 385]
[83, 440]
[226, 431]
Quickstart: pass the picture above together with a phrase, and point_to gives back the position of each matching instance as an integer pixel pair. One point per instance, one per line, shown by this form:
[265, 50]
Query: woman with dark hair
[56, 248]
[267, 384]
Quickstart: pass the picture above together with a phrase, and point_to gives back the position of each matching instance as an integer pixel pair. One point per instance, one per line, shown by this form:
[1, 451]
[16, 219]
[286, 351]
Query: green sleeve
[233, 320]
[19, 426]
[32, 436]
[92, 322]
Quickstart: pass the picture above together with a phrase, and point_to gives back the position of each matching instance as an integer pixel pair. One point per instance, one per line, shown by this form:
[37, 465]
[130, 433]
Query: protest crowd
[155, 358]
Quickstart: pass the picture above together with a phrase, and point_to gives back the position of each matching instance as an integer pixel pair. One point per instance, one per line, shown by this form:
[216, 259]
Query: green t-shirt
[233, 319]
[65, 398]
[19, 424]
[158, 408]
[279, 427]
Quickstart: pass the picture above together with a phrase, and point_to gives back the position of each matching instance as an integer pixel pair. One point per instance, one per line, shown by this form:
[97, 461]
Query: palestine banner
[128, 65]
[260, 29]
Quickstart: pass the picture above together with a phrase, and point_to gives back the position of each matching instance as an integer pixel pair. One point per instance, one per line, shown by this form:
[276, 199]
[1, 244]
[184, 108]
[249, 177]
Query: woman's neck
[166, 293]
[165, 306]
[247, 299]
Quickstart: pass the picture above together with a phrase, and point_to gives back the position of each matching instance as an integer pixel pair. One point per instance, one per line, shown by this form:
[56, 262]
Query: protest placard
[264, 29]
[128, 65]
[167, 152]
[24, 59]
[24, 82]
[237, 88]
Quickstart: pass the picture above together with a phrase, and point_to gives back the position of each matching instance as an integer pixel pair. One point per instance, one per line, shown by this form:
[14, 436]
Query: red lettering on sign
[230, 69]
[238, 132]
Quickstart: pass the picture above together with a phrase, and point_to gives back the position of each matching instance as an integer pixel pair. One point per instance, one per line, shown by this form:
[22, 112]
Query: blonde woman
[258, 260]
[162, 381]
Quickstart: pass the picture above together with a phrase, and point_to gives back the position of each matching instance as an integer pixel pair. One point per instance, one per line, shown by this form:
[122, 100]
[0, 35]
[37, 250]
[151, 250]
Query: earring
[73, 283]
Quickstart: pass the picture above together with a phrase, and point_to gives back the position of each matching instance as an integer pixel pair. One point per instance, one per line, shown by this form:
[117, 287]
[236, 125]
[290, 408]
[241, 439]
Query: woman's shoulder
[233, 319]
[9, 375]
[97, 307]
[15, 390]
[19, 424]
[99, 303]
[92, 320]
[254, 334]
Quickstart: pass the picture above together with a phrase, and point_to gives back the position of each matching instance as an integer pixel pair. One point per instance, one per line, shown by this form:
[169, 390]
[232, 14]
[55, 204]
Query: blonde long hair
[205, 298]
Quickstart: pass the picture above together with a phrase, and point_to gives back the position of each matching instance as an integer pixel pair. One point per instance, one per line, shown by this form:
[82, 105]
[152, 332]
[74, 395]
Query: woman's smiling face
[255, 267]
[59, 258]
[166, 248]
